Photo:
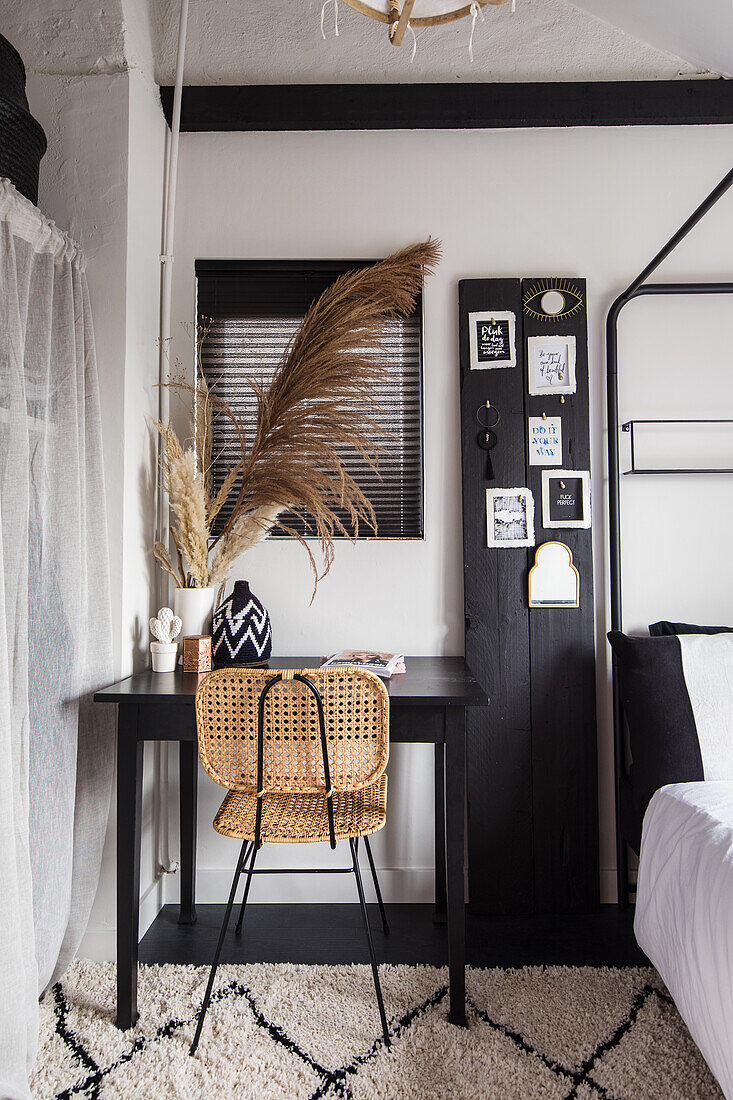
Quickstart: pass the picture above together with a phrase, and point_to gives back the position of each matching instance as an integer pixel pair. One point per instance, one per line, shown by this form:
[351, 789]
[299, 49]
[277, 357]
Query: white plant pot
[164, 656]
[194, 607]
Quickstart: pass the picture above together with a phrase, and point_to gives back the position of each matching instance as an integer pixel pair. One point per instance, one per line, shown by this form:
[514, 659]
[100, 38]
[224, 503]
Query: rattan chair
[303, 757]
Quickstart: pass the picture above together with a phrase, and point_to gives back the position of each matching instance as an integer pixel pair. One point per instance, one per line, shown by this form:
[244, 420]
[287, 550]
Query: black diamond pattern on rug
[254, 1030]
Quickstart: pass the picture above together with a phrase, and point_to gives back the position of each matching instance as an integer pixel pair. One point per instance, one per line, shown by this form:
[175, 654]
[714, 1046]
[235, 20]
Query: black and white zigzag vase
[241, 629]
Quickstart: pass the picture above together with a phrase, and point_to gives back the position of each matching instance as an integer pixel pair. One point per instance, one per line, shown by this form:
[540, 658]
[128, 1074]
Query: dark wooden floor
[334, 934]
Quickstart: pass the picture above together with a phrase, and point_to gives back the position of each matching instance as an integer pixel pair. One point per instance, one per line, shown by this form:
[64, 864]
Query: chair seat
[303, 818]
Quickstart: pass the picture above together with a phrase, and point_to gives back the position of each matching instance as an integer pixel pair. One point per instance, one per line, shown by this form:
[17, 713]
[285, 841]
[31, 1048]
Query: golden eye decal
[552, 299]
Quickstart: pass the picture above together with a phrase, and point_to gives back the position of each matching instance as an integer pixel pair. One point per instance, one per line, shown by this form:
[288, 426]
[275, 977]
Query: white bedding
[684, 910]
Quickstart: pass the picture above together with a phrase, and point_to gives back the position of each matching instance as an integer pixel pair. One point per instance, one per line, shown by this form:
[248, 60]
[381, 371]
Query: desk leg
[455, 809]
[440, 915]
[129, 828]
[188, 767]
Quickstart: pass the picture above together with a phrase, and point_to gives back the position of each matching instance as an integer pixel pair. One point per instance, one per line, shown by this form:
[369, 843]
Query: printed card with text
[492, 339]
[545, 441]
[551, 364]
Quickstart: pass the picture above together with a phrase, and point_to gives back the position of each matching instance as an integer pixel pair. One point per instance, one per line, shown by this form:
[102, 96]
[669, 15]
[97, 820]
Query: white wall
[594, 202]
[83, 187]
[101, 180]
[146, 145]
[62, 39]
[677, 531]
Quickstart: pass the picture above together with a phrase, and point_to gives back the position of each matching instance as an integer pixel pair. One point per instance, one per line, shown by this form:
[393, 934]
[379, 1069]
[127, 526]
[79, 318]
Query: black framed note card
[566, 498]
[492, 338]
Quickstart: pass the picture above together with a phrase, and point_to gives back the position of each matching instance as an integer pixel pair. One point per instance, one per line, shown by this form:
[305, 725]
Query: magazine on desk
[383, 664]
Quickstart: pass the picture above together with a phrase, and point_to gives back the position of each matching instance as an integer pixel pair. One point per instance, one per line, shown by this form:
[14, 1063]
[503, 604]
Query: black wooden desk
[427, 704]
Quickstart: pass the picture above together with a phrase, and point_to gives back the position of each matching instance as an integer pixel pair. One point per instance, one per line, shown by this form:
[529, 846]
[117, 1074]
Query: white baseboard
[608, 885]
[100, 944]
[398, 884]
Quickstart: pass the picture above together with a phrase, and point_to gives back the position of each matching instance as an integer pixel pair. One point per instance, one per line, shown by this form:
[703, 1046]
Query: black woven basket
[22, 140]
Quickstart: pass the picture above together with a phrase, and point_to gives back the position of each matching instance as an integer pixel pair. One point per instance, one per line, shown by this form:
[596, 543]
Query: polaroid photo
[492, 339]
[551, 364]
[509, 517]
[566, 498]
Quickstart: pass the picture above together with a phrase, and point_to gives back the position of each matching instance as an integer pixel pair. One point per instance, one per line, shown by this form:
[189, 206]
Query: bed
[684, 910]
[676, 693]
[673, 750]
[673, 718]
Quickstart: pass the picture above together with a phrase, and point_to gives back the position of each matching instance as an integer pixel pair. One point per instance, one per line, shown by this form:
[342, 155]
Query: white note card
[545, 441]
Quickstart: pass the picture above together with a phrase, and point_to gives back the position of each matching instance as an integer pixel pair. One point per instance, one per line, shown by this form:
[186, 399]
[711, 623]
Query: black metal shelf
[629, 426]
[678, 470]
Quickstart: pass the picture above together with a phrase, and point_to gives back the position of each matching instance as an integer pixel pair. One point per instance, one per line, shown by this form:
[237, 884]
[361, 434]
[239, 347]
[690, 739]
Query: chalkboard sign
[565, 498]
[493, 341]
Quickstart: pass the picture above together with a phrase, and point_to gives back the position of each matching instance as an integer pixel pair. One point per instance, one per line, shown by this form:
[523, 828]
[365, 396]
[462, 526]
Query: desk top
[428, 681]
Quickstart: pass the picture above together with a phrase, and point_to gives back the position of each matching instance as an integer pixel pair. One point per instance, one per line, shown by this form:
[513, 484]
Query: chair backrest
[356, 712]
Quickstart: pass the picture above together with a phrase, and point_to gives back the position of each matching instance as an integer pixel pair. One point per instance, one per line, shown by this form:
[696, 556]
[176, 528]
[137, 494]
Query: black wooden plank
[564, 767]
[497, 647]
[452, 106]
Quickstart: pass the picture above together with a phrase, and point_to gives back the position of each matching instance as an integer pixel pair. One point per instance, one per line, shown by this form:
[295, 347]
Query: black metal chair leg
[385, 926]
[220, 944]
[238, 929]
[367, 929]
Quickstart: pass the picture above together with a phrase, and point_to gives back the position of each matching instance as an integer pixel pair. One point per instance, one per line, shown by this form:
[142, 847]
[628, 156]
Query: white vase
[164, 656]
[194, 607]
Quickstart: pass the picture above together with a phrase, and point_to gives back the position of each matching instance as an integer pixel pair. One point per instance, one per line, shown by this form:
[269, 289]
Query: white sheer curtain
[56, 752]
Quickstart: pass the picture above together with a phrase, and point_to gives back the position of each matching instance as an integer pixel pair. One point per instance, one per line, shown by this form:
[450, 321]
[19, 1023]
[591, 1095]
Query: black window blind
[254, 309]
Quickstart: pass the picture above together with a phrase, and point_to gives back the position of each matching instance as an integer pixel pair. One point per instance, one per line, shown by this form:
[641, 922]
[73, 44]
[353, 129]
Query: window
[255, 308]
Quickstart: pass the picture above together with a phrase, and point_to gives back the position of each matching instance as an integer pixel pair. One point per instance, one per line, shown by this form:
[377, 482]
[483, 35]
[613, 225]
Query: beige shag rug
[279, 1032]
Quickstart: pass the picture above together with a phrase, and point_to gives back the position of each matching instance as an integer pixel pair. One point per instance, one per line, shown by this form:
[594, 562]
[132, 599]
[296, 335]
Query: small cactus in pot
[165, 628]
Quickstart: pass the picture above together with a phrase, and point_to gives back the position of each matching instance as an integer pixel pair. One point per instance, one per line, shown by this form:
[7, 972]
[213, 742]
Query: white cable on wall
[165, 864]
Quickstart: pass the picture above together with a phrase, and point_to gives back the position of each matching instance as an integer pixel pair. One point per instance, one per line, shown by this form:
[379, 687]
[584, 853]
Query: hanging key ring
[487, 409]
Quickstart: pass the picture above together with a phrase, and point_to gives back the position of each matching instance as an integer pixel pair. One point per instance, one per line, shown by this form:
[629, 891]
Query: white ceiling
[701, 31]
[271, 41]
[279, 41]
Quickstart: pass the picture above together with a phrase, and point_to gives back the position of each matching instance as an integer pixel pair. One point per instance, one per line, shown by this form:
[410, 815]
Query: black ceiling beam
[452, 106]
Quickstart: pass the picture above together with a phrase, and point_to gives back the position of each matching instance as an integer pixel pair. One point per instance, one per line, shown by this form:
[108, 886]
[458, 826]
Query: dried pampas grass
[186, 489]
[249, 529]
[318, 401]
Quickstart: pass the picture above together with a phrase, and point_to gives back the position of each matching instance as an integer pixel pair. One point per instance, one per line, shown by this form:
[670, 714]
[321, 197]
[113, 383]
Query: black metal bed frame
[628, 816]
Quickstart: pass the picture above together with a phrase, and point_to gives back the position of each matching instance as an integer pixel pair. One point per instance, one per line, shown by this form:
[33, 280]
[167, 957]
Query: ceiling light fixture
[417, 13]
